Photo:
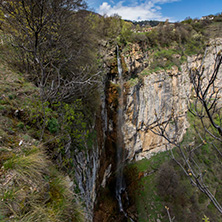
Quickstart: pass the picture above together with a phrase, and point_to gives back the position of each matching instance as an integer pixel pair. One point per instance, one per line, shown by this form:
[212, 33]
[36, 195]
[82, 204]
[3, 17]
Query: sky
[174, 10]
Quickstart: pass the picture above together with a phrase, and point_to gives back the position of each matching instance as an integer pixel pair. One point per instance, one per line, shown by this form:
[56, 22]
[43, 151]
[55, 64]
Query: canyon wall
[158, 95]
[154, 95]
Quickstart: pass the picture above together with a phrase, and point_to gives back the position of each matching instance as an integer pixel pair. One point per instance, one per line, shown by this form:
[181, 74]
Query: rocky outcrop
[136, 58]
[207, 61]
[157, 96]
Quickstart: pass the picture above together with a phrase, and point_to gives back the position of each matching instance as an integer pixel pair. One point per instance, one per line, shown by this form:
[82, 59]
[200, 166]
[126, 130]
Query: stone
[160, 94]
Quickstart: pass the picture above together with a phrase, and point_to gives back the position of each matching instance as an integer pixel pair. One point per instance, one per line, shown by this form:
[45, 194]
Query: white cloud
[105, 8]
[149, 10]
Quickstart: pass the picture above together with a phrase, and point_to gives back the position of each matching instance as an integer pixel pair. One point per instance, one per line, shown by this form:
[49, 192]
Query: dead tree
[204, 104]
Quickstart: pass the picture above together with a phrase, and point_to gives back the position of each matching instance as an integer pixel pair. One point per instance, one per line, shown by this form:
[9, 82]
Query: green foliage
[133, 81]
[53, 125]
[138, 37]
[20, 125]
[152, 38]
[106, 27]
[125, 33]
[205, 219]
[145, 72]
[143, 187]
[194, 46]
[73, 121]
[32, 189]
[165, 59]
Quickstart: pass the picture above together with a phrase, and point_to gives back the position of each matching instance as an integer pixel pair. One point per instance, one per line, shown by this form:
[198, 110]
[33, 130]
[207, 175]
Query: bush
[168, 181]
[164, 59]
[20, 125]
[53, 125]
[138, 37]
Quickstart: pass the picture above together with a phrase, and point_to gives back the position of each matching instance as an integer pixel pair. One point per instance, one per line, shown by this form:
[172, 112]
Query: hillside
[104, 119]
[31, 187]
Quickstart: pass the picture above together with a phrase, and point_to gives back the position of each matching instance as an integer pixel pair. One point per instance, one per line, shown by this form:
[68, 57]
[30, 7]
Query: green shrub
[145, 72]
[138, 37]
[133, 81]
[205, 219]
[53, 125]
[2, 107]
[164, 59]
[20, 125]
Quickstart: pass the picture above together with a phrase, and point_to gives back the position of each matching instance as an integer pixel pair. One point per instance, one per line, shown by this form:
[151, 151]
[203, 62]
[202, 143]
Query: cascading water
[120, 183]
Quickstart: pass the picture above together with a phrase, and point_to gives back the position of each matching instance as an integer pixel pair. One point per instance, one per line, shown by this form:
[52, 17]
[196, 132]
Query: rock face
[136, 58]
[158, 95]
[215, 46]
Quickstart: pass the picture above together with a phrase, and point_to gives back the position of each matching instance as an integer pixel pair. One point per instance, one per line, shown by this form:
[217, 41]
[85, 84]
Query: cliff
[157, 95]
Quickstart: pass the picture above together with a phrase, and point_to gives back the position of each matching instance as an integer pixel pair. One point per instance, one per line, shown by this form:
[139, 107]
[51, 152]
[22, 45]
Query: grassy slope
[159, 182]
[31, 188]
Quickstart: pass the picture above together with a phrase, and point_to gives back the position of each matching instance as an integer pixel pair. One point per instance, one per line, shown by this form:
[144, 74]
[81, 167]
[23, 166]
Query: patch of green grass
[133, 81]
[20, 125]
[166, 58]
[145, 72]
[34, 197]
[31, 165]
[148, 202]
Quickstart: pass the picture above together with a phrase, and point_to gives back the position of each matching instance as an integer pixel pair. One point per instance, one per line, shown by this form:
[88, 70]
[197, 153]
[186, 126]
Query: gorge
[103, 120]
[154, 95]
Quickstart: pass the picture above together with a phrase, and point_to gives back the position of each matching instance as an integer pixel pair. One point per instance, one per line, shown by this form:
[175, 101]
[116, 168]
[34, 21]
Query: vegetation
[168, 44]
[31, 188]
[163, 190]
[49, 95]
[48, 79]
[159, 182]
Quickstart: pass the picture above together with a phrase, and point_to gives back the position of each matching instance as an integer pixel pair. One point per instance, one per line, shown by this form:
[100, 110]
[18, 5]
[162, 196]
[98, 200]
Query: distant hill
[151, 23]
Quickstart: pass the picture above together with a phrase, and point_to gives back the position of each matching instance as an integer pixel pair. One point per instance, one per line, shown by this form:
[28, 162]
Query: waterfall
[120, 183]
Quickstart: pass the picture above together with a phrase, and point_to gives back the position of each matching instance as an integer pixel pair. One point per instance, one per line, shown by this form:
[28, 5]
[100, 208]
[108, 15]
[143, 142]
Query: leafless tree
[51, 35]
[204, 106]
[53, 38]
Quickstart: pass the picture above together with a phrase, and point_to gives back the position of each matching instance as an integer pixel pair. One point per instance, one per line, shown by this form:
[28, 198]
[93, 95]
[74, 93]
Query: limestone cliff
[158, 94]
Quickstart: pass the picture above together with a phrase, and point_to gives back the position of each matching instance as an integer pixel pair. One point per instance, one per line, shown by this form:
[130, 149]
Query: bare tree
[51, 35]
[54, 39]
[205, 107]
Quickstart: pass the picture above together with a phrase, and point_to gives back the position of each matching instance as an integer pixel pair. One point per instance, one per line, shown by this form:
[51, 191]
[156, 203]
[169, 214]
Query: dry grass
[31, 166]
[31, 188]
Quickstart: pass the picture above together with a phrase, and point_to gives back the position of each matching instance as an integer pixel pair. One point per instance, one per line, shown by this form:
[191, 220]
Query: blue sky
[174, 10]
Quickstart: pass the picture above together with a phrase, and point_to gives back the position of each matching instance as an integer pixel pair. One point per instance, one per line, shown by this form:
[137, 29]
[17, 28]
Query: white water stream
[120, 183]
